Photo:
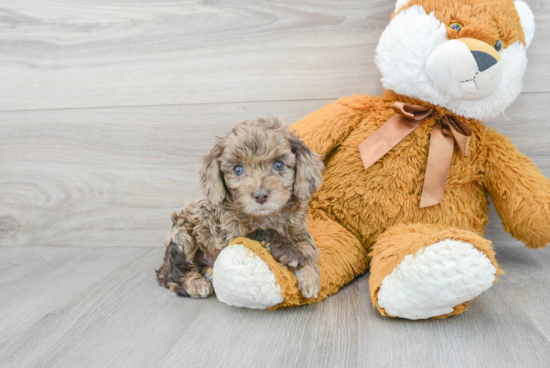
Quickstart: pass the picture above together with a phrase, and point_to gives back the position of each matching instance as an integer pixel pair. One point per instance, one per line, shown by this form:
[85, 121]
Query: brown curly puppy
[260, 176]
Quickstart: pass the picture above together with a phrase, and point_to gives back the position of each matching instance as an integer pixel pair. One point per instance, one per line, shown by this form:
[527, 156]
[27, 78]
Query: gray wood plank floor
[105, 109]
[101, 307]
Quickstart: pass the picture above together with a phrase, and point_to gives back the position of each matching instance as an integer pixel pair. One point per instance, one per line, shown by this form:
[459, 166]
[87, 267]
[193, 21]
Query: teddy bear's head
[466, 55]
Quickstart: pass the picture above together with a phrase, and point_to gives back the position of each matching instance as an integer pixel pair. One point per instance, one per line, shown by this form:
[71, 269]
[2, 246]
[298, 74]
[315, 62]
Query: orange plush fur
[372, 217]
[482, 22]
[382, 202]
[384, 198]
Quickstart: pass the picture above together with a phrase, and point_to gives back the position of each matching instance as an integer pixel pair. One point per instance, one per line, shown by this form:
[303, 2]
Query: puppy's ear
[212, 184]
[309, 169]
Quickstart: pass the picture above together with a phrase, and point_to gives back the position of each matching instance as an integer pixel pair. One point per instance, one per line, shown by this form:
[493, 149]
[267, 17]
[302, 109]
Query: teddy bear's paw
[435, 280]
[242, 279]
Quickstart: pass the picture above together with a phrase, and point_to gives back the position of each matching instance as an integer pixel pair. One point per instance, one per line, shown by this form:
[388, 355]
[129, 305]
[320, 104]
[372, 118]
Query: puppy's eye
[498, 45]
[456, 26]
[278, 165]
[238, 170]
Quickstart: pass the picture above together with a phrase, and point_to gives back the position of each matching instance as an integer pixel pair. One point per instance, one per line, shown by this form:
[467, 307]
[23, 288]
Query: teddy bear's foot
[419, 281]
[247, 275]
[436, 280]
[243, 279]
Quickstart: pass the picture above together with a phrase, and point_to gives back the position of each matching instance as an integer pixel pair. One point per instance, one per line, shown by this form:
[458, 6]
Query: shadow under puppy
[257, 181]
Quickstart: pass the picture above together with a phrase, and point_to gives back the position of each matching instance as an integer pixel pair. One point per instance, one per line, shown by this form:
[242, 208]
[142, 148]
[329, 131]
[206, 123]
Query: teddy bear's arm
[519, 190]
[323, 130]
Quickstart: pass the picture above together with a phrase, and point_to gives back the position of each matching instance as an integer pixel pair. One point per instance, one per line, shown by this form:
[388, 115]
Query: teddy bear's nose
[260, 196]
[484, 61]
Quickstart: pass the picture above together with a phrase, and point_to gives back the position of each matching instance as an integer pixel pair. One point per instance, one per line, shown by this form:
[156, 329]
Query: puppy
[257, 180]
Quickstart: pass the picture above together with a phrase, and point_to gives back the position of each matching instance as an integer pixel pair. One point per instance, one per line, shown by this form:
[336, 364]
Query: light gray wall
[107, 106]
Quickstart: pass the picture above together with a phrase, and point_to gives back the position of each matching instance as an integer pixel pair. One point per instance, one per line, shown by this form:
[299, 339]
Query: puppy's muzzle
[260, 196]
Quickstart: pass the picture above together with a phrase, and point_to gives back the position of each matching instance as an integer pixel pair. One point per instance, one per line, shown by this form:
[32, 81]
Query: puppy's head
[260, 166]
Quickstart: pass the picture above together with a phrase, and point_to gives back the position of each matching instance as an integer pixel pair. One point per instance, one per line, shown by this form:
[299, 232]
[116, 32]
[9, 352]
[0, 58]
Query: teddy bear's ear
[400, 4]
[527, 20]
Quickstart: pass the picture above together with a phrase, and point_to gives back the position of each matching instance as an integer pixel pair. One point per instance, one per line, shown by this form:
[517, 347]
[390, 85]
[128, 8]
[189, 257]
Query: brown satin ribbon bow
[444, 133]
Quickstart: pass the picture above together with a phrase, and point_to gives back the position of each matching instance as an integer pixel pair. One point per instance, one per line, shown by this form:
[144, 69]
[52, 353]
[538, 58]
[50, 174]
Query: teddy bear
[408, 173]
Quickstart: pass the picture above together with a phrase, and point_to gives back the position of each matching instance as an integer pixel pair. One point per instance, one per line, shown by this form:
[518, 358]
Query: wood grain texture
[85, 191]
[113, 314]
[32, 281]
[96, 53]
[112, 176]
[109, 176]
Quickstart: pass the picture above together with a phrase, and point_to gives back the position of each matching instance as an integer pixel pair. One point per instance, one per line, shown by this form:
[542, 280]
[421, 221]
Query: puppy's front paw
[286, 254]
[280, 247]
[196, 286]
[309, 281]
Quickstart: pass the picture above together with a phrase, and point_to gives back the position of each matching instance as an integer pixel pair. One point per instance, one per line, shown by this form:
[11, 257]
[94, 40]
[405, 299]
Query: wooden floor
[105, 109]
[101, 307]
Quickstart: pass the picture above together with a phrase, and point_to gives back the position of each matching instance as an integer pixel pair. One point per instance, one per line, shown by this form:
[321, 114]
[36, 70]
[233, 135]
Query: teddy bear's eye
[456, 26]
[238, 170]
[498, 45]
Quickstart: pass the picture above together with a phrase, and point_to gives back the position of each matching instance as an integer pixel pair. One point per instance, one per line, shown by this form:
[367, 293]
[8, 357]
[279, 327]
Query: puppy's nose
[260, 196]
[484, 61]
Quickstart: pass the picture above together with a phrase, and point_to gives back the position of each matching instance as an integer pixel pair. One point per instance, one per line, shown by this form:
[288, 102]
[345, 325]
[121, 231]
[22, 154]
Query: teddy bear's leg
[246, 275]
[423, 271]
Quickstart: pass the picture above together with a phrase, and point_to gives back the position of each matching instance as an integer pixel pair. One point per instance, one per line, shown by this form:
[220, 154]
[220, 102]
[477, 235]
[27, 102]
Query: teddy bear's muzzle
[466, 68]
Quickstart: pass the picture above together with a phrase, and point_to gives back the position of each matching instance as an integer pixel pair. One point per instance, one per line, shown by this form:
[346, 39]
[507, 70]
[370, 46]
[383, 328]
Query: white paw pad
[242, 279]
[435, 280]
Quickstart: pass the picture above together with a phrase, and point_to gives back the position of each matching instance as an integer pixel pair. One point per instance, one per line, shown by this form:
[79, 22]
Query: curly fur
[200, 230]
